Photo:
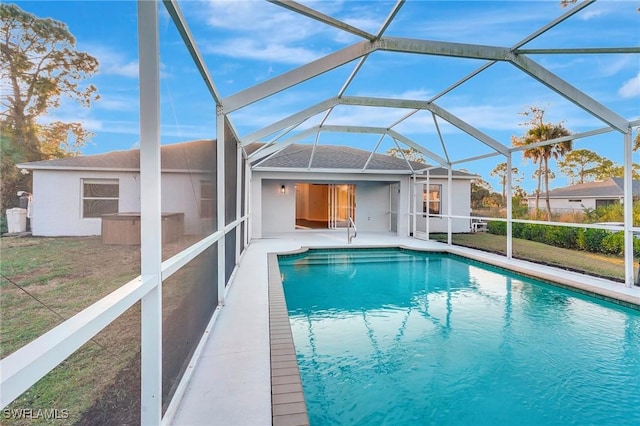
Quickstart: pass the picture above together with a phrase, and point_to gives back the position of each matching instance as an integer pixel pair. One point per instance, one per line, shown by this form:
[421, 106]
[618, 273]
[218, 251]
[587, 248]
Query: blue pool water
[394, 337]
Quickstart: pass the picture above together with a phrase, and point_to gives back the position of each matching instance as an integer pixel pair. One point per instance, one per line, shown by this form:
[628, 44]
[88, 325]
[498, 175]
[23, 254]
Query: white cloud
[263, 31]
[630, 88]
[114, 63]
[254, 49]
[591, 14]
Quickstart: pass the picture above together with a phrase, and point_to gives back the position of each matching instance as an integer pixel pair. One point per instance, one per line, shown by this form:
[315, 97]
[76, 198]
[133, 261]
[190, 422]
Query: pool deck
[231, 380]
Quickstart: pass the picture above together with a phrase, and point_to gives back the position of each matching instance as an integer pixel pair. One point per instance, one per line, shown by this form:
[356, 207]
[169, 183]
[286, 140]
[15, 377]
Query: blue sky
[247, 42]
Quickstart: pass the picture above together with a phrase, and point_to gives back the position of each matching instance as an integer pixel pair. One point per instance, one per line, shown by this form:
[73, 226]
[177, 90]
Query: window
[206, 199]
[99, 196]
[602, 203]
[431, 198]
[575, 201]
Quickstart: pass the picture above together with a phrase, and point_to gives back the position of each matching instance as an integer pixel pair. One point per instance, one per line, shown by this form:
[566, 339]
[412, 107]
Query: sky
[245, 43]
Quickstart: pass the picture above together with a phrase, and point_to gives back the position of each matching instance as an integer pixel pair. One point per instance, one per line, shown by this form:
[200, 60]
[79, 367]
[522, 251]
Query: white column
[414, 190]
[449, 203]
[150, 213]
[628, 209]
[426, 214]
[247, 203]
[509, 195]
[238, 199]
[220, 201]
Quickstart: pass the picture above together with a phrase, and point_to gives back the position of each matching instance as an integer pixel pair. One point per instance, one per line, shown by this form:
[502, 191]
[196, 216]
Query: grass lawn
[601, 265]
[99, 384]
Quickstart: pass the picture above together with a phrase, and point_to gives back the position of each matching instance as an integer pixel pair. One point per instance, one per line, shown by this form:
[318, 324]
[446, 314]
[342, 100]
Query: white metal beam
[390, 18]
[553, 23]
[580, 50]
[628, 209]
[373, 152]
[571, 93]
[413, 104]
[443, 48]
[150, 215]
[183, 29]
[289, 121]
[281, 145]
[403, 156]
[220, 202]
[444, 146]
[470, 130]
[321, 17]
[297, 76]
[417, 147]
[562, 139]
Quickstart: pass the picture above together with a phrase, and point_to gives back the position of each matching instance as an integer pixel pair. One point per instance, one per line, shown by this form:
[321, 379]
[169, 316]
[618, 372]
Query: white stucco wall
[274, 212]
[563, 204]
[461, 207]
[57, 200]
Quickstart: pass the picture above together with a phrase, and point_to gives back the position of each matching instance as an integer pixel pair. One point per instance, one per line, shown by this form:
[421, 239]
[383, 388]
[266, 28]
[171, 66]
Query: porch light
[283, 189]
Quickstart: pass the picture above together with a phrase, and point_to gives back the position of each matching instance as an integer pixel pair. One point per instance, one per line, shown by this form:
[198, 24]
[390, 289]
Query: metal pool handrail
[351, 223]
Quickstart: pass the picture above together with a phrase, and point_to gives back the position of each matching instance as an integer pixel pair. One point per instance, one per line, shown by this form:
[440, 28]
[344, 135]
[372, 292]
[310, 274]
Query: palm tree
[540, 132]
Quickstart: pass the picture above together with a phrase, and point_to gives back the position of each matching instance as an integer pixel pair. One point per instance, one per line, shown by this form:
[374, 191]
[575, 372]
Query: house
[306, 187]
[301, 187]
[588, 195]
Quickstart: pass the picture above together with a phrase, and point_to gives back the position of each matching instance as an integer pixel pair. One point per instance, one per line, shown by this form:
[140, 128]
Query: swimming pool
[389, 336]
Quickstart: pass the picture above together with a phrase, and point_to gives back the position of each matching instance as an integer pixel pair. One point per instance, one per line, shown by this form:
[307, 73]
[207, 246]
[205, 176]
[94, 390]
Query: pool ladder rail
[350, 224]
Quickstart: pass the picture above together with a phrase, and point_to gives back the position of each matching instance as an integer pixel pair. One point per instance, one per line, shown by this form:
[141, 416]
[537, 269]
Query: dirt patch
[120, 403]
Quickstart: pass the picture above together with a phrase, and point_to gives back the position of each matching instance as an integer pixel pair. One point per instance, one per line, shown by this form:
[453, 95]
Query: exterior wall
[278, 209]
[274, 212]
[461, 207]
[563, 204]
[57, 200]
[372, 206]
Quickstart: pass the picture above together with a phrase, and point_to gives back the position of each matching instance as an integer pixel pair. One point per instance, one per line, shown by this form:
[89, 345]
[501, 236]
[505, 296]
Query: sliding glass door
[342, 205]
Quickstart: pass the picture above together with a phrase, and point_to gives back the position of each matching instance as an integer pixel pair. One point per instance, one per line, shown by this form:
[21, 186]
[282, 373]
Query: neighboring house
[288, 192]
[589, 195]
[305, 187]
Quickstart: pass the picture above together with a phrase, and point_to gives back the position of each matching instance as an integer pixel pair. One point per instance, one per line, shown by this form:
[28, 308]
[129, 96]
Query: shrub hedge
[587, 239]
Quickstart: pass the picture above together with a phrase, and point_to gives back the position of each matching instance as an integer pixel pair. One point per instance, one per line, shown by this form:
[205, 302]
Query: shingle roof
[608, 188]
[296, 156]
[193, 155]
[201, 155]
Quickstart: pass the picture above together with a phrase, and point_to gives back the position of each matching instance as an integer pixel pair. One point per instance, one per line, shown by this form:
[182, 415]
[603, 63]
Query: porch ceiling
[333, 85]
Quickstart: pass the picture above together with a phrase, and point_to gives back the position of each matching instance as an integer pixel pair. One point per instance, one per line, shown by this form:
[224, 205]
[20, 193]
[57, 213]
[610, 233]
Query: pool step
[324, 258]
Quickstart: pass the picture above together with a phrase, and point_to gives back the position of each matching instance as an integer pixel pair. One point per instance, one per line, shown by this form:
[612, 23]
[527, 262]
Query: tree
[539, 131]
[581, 165]
[500, 170]
[411, 154]
[39, 68]
[480, 189]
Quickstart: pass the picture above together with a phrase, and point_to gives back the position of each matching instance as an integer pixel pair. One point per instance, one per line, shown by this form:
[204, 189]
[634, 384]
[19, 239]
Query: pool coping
[287, 397]
[288, 406]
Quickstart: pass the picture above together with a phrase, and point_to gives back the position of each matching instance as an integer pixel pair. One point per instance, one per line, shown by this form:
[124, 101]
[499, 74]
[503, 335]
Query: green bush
[497, 228]
[4, 228]
[591, 239]
[613, 243]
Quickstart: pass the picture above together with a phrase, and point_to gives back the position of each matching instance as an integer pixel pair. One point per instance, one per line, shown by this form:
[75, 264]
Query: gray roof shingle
[296, 156]
[193, 155]
[201, 155]
[608, 188]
